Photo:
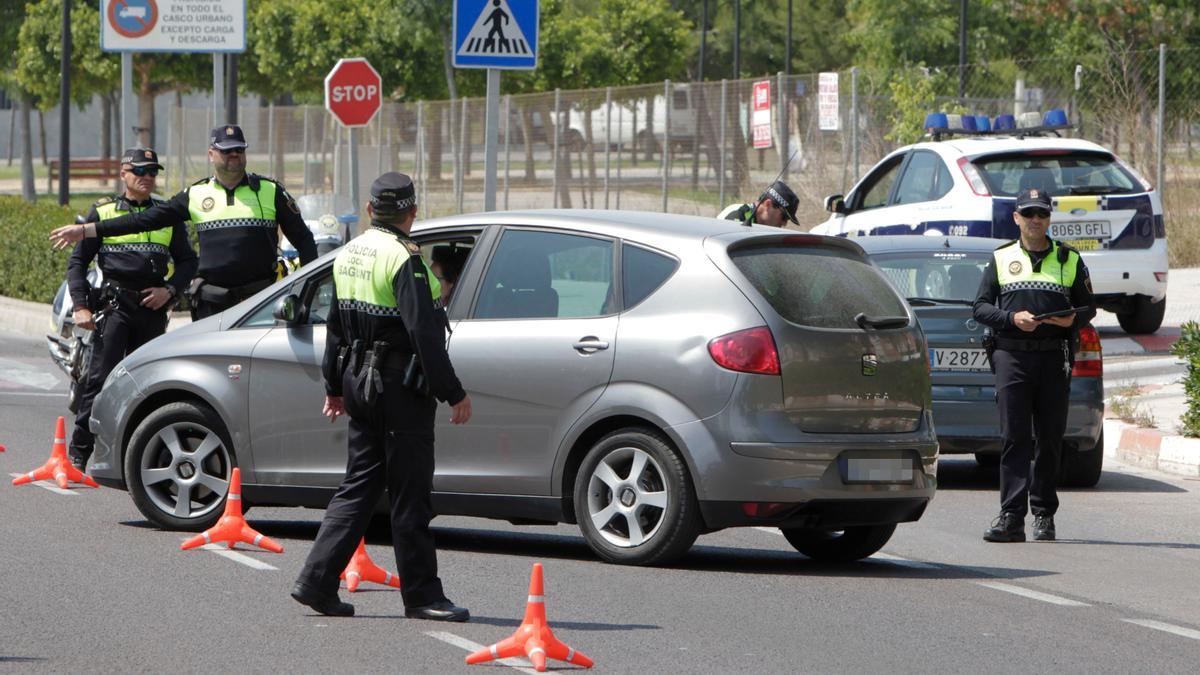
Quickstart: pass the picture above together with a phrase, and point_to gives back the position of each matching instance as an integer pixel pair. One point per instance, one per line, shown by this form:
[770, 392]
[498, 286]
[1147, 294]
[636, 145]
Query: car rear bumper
[817, 514]
[1128, 271]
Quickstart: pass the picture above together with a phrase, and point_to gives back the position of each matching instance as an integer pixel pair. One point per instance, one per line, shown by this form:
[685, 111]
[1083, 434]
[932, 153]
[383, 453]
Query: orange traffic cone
[232, 527]
[362, 568]
[533, 638]
[58, 466]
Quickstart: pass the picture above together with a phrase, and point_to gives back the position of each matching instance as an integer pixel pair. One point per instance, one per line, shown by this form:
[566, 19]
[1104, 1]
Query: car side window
[542, 275]
[878, 186]
[925, 179]
[642, 272]
[320, 300]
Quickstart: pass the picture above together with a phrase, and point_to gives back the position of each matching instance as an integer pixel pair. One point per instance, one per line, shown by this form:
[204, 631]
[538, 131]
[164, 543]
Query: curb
[1152, 449]
[33, 319]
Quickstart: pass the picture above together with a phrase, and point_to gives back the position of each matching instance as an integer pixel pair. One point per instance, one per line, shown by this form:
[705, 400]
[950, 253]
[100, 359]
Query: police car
[964, 181]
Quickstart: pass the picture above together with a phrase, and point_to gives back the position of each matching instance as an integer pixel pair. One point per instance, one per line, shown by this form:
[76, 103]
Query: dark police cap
[140, 157]
[1033, 198]
[784, 198]
[227, 137]
[392, 192]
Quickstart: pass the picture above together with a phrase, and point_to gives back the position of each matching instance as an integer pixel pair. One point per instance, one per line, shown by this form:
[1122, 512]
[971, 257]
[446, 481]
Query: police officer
[774, 207]
[134, 297]
[236, 215]
[1032, 359]
[385, 364]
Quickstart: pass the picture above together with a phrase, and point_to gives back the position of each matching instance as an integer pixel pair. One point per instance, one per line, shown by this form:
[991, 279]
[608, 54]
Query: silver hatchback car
[650, 377]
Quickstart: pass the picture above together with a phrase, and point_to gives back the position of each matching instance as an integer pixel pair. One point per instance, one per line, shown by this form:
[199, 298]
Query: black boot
[329, 605]
[1008, 527]
[442, 610]
[1043, 528]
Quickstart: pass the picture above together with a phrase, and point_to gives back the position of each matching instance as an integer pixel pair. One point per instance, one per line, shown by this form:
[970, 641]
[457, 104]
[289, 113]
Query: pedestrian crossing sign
[499, 34]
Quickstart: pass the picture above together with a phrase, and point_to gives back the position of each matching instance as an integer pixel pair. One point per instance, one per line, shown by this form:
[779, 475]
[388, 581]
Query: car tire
[181, 448]
[988, 460]
[1083, 468]
[1146, 316]
[610, 498]
[850, 544]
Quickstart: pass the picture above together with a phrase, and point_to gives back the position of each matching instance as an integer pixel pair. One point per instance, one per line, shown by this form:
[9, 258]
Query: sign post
[760, 118]
[496, 35]
[353, 95]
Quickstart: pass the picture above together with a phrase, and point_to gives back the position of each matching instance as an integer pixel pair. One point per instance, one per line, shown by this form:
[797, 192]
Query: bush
[30, 269]
[1188, 349]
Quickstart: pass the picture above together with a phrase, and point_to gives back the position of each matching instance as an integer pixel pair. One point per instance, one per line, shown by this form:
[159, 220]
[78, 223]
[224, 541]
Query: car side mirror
[835, 204]
[287, 309]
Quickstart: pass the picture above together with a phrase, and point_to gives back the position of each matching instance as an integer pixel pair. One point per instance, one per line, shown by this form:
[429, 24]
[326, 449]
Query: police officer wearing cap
[774, 206]
[1032, 359]
[386, 367]
[236, 215]
[134, 298]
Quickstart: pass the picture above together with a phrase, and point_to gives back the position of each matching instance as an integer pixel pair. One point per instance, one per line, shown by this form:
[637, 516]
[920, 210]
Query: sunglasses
[1035, 213]
[231, 151]
[140, 171]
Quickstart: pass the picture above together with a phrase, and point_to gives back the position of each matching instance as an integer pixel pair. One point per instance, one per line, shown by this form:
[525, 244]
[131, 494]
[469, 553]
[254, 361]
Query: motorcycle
[329, 229]
[70, 345]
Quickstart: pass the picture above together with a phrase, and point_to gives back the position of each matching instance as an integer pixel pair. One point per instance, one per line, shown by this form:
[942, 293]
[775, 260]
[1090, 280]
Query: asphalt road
[87, 585]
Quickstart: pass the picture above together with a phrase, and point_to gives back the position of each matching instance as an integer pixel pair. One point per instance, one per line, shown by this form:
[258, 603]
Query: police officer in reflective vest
[1032, 358]
[774, 207]
[386, 367]
[236, 215]
[134, 298]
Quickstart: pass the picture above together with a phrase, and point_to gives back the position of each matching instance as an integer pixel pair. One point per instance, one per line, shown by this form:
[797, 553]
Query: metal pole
[620, 149]
[557, 136]
[421, 156]
[962, 52]
[306, 149]
[1162, 116]
[379, 143]
[703, 41]
[218, 87]
[721, 161]
[354, 169]
[127, 101]
[787, 50]
[270, 137]
[64, 108]
[784, 152]
[607, 139]
[180, 144]
[462, 155]
[231, 89]
[507, 144]
[666, 146]
[854, 121]
[490, 132]
[737, 39]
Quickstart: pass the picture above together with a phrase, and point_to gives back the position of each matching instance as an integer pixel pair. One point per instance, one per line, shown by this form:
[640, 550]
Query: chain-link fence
[688, 147]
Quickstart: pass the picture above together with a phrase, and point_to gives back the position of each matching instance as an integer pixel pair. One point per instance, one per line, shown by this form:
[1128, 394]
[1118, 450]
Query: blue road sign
[496, 34]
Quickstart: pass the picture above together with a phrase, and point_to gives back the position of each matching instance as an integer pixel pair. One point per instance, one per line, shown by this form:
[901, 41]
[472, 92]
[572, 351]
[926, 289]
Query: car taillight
[747, 351]
[1089, 361]
[978, 186]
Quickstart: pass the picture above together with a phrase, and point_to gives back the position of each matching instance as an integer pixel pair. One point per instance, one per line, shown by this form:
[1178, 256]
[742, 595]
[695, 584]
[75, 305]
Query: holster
[368, 379]
[989, 347]
[414, 377]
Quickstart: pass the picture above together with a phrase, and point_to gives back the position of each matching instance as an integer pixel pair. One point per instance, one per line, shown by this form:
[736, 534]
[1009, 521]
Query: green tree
[12, 16]
[819, 42]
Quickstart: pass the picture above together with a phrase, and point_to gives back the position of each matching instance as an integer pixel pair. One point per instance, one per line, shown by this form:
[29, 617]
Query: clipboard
[1061, 312]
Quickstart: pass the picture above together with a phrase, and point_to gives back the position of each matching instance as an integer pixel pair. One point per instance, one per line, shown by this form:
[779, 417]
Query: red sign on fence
[353, 92]
[760, 117]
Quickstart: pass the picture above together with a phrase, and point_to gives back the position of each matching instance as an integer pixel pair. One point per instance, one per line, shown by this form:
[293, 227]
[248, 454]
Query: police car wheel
[852, 543]
[178, 465]
[634, 500]
[1145, 317]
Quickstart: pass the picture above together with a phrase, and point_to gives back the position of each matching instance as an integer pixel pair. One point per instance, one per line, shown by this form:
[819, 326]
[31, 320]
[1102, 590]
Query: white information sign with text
[829, 117]
[173, 25]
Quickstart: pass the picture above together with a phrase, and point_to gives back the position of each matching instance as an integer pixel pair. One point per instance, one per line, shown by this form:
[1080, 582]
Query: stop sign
[353, 92]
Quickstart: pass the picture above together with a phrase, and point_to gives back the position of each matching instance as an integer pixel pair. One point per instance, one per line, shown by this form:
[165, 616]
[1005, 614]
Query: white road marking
[48, 485]
[770, 530]
[463, 643]
[26, 375]
[1166, 627]
[1033, 595]
[33, 393]
[223, 550]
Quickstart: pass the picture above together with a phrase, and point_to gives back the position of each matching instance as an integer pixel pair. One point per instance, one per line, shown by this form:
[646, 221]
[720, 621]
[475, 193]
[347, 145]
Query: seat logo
[870, 364]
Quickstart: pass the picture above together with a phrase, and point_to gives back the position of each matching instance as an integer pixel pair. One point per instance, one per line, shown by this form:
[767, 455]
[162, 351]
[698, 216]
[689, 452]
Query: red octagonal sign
[353, 92]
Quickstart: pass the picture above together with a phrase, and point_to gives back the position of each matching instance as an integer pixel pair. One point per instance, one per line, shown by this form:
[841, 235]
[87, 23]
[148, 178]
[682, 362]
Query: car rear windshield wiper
[1097, 190]
[880, 322]
[939, 301]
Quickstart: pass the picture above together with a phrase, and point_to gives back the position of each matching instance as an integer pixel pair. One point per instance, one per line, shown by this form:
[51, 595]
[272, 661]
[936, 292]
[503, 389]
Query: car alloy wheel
[627, 497]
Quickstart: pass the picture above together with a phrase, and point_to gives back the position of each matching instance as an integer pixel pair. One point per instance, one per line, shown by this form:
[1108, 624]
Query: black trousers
[1032, 390]
[390, 446]
[123, 330]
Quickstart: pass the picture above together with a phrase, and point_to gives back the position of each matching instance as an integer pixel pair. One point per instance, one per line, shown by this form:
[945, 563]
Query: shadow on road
[1140, 544]
[967, 474]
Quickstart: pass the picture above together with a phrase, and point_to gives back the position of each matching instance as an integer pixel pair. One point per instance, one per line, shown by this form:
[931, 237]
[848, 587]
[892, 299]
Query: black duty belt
[1017, 345]
[393, 360]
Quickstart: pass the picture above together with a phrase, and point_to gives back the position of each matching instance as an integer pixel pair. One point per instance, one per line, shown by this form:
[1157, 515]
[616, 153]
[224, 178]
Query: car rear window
[817, 286]
[1065, 172]
[934, 275]
[643, 271]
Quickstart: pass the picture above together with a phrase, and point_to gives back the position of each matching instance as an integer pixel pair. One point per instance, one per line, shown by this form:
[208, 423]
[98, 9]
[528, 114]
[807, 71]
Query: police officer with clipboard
[1035, 295]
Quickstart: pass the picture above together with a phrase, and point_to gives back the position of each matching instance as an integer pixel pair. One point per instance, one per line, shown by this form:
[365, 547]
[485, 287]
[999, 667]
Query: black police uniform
[391, 439]
[1032, 375]
[236, 229]
[778, 192]
[128, 269]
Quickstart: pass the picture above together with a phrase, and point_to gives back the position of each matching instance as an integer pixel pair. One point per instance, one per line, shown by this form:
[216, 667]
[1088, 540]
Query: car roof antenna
[780, 175]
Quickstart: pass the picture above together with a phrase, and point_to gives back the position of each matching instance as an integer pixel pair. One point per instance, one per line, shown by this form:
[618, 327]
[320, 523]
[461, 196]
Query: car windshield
[1057, 172]
[934, 277]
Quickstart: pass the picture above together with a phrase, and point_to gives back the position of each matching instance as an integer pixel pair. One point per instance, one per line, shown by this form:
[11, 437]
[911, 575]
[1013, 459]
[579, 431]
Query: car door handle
[590, 344]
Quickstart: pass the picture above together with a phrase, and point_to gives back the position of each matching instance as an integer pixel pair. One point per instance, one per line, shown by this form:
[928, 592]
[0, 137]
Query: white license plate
[1070, 231]
[941, 358]
[879, 470]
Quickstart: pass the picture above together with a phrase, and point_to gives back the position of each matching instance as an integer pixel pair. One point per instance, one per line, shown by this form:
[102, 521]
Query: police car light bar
[939, 124]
